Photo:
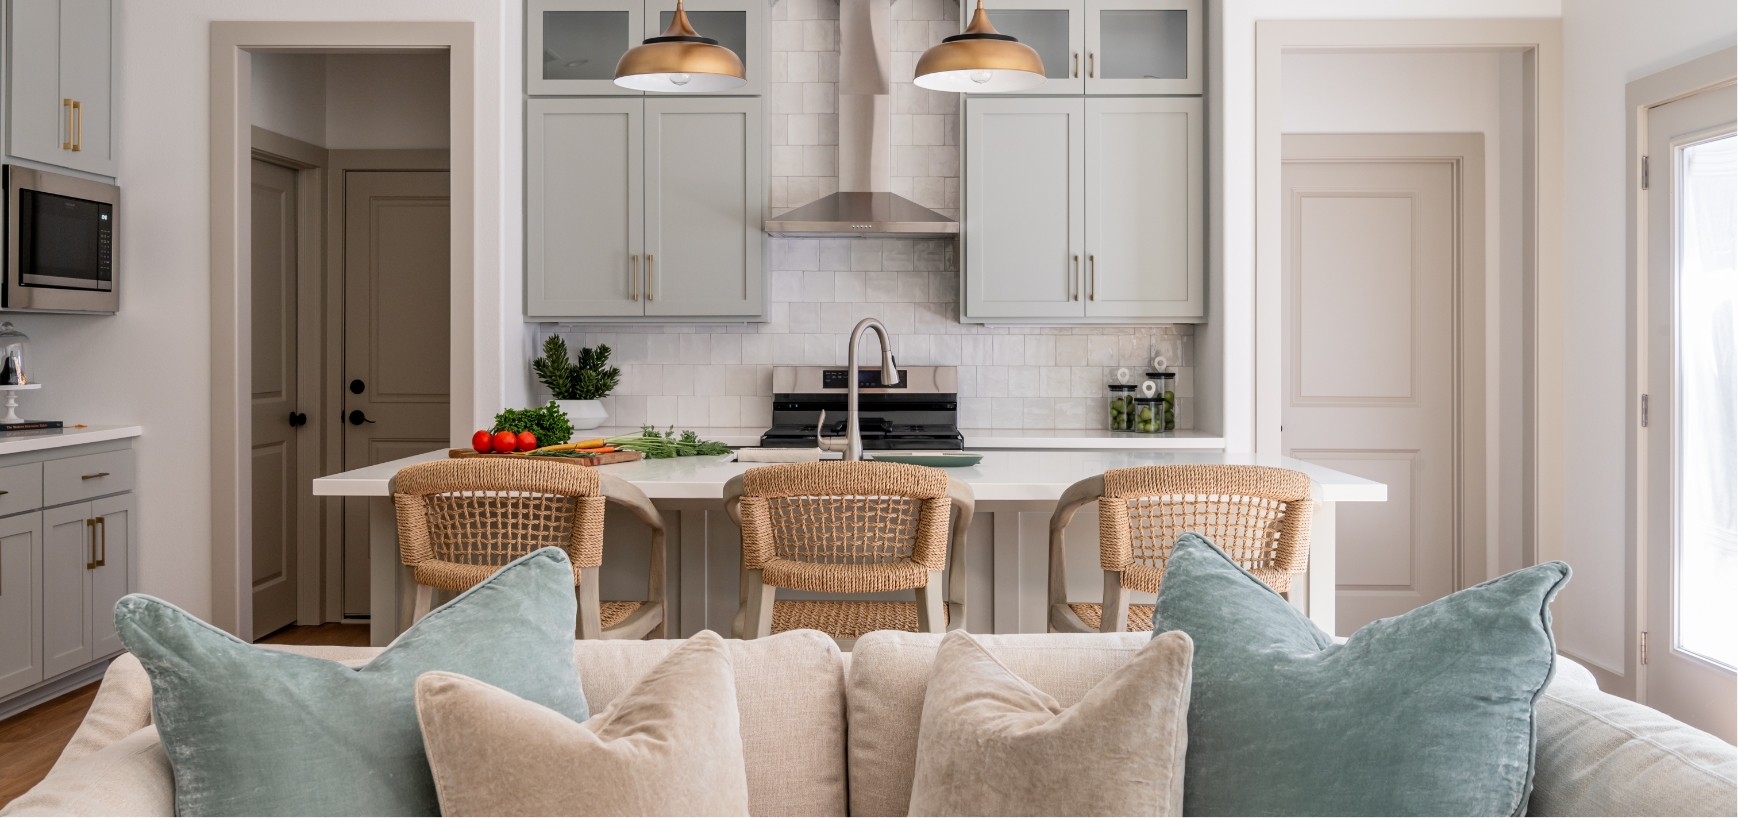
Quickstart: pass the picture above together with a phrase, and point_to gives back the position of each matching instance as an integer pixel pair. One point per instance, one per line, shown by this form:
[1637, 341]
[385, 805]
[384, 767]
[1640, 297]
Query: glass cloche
[12, 344]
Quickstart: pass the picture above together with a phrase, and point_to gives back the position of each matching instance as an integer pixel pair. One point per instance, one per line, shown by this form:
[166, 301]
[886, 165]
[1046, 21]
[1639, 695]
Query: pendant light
[680, 61]
[980, 61]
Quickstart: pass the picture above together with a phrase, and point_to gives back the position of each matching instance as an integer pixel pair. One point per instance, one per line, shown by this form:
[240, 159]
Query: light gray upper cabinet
[572, 46]
[1084, 210]
[644, 208]
[1024, 224]
[584, 216]
[1144, 222]
[1109, 46]
[704, 207]
[61, 75]
[20, 609]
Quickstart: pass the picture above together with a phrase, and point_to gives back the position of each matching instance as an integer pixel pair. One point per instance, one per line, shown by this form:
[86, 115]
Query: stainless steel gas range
[920, 413]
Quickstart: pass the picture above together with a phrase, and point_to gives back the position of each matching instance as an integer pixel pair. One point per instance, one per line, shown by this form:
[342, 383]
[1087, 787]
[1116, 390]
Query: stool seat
[1140, 617]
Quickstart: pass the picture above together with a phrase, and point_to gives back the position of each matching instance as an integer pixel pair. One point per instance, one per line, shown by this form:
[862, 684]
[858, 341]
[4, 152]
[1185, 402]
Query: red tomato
[506, 441]
[527, 441]
[482, 441]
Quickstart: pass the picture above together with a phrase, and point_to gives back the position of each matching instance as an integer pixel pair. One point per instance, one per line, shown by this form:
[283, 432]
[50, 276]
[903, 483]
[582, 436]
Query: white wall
[353, 101]
[1606, 44]
[150, 364]
[1447, 92]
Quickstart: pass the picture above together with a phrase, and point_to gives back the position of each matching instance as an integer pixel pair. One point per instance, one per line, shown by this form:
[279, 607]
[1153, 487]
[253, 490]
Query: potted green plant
[579, 384]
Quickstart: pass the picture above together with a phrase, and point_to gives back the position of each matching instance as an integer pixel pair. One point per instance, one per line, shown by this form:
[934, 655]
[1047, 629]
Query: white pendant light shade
[980, 61]
[680, 61]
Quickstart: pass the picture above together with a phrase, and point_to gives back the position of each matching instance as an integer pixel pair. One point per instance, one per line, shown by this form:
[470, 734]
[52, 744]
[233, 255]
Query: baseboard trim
[58, 686]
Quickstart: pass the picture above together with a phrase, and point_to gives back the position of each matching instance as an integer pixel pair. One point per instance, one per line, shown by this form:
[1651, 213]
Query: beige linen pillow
[992, 744]
[670, 745]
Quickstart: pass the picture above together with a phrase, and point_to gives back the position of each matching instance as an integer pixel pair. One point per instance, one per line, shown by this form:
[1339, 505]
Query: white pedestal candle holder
[11, 391]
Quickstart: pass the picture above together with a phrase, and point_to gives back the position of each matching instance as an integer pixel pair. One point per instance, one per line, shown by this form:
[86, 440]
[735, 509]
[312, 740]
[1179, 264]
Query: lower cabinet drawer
[20, 488]
[93, 475]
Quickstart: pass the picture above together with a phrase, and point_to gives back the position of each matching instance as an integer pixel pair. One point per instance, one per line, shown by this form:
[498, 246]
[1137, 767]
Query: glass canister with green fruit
[1166, 391]
[1149, 415]
[1122, 407]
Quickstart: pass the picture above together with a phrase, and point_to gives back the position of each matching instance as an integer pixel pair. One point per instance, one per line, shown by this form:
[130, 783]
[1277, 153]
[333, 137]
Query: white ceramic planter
[584, 414]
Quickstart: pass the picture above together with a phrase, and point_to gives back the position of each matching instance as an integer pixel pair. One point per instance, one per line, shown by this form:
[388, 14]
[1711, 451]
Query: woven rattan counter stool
[459, 521]
[1257, 514]
[849, 528]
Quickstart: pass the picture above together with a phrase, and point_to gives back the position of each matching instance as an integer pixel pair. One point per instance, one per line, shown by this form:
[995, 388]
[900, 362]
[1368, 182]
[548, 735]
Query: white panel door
[584, 223]
[705, 207]
[1145, 192]
[111, 579]
[1691, 441]
[275, 487]
[1024, 220]
[1369, 371]
[68, 557]
[20, 593]
[397, 248]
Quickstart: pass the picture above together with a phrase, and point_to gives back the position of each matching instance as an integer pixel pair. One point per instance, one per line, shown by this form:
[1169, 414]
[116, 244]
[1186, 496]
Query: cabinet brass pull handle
[1074, 290]
[651, 278]
[103, 534]
[1092, 262]
[634, 277]
[66, 104]
[94, 476]
[99, 540]
[1092, 64]
[5, 492]
[78, 135]
[1077, 65]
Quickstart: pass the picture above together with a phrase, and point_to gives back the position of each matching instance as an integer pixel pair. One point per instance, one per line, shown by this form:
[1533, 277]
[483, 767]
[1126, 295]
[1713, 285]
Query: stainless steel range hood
[854, 213]
[865, 204]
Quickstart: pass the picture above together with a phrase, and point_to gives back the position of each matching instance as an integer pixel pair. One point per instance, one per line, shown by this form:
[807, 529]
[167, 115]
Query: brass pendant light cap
[680, 60]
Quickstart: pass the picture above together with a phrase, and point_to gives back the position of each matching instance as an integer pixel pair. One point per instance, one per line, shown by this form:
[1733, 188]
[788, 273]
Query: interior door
[1144, 47]
[1024, 221]
[67, 557]
[397, 252]
[274, 397]
[1054, 29]
[20, 617]
[1369, 371]
[584, 207]
[1145, 230]
[1691, 438]
[705, 219]
[111, 579]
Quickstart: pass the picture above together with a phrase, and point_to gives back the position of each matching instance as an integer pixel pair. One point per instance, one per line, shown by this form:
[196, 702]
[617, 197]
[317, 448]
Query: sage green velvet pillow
[253, 731]
[1427, 713]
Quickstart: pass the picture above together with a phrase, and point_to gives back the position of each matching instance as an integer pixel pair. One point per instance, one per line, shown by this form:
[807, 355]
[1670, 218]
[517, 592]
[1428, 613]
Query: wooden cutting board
[598, 460]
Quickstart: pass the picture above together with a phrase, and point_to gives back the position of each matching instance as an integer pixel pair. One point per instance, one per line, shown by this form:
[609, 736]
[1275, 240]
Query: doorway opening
[348, 313]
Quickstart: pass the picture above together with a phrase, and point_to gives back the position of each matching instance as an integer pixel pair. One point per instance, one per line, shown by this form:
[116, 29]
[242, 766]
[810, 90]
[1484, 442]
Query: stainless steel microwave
[60, 243]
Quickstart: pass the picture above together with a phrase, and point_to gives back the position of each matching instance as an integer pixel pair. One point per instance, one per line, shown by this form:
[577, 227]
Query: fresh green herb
[589, 378]
[548, 423]
[655, 445]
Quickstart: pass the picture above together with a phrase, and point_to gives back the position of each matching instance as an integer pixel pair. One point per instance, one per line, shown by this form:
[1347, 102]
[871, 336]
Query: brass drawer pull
[67, 105]
[1074, 291]
[651, 280]
[1076, 65]
[634, 277]
[78, 135]
[4, 492]
[1092, 262]
[94, 476]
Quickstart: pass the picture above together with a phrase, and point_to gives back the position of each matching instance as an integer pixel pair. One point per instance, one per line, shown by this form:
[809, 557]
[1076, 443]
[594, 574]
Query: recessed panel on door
[1353, 283]
[584, 251]
[1023, 226]
[1145, 231]
[704, 207]
[111, 579]
[67, 558]
[572, 46]
[20, 591]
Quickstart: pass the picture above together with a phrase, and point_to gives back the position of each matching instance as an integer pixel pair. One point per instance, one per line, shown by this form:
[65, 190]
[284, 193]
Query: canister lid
[1161, 375]
[1122, 387]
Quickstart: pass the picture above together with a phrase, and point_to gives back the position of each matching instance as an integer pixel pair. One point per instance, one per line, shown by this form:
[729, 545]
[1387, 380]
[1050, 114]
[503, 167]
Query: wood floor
[32, 740]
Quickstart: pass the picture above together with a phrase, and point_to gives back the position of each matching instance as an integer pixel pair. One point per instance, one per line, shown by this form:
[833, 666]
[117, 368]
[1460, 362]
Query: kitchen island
[1007, 547]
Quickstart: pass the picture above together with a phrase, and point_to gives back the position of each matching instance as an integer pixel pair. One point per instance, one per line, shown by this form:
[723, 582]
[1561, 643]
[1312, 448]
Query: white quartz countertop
[1180, 440]
[1002, 476]
[33, 441]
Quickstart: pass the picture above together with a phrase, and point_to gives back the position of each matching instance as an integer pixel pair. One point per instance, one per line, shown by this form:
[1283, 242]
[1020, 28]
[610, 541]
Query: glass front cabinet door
[1143, 47]
[572, 46]
[1053, 28]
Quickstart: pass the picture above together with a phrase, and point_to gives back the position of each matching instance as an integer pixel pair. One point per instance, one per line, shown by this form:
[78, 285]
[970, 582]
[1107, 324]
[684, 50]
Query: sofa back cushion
[890, 672]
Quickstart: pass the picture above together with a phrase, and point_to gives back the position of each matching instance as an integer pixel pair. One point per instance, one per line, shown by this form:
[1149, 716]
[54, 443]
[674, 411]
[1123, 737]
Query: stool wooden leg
[757, 616]
[930, 617]
[1113, 617]
[424, 601]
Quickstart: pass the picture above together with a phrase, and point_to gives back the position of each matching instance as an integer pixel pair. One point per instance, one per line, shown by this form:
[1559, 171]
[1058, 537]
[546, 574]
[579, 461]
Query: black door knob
[357, 418]
[356, 387]
[298, 419]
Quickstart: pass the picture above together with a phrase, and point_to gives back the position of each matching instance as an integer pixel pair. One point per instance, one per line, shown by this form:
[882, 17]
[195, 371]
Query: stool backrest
[460, 520]
[1259, 515]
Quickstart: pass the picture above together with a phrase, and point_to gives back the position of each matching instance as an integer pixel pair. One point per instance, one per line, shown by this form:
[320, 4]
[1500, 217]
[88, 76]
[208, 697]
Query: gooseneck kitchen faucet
[852, 444]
